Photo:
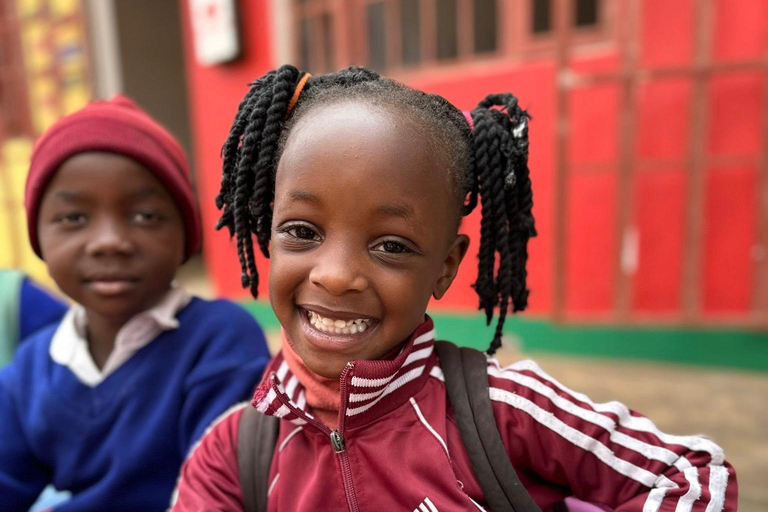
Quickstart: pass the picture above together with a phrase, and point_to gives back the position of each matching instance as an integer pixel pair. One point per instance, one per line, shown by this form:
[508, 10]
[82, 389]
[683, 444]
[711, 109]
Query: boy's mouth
[110, 285]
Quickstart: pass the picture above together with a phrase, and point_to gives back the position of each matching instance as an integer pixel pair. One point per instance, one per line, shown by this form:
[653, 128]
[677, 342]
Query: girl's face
[363, 234]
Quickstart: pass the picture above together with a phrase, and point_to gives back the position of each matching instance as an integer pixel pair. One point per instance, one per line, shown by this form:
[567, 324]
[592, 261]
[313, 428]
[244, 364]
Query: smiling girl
[355, 186]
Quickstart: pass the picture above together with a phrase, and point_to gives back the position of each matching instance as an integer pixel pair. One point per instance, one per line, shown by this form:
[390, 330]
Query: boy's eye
[145, 217]
[72, 219]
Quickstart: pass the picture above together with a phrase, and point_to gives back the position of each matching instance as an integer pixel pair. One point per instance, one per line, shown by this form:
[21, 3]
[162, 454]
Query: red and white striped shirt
[398, 447]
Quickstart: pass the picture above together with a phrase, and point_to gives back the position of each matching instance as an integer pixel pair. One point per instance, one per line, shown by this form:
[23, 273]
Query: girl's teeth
[337, 326]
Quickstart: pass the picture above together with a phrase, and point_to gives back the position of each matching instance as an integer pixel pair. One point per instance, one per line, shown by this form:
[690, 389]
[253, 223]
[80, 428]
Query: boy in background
[107, 403]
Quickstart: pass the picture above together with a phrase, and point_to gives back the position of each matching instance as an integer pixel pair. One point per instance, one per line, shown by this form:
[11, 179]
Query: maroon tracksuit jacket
[398, 447]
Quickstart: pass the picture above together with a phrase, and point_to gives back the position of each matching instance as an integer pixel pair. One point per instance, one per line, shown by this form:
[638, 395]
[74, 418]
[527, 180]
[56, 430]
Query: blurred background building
[649, 160]
[649, 137]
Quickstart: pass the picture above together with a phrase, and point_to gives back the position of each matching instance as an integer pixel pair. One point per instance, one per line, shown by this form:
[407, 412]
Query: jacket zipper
[337, 440]
[340, 448]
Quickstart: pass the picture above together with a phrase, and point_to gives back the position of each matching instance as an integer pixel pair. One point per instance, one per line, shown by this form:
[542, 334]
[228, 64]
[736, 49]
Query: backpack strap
[256, 440]
[466, 382]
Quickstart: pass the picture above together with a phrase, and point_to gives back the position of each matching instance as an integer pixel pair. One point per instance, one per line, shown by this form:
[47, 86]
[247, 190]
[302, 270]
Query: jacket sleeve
[227, 372]
[210, 478]
[605, 453]
[22, 476]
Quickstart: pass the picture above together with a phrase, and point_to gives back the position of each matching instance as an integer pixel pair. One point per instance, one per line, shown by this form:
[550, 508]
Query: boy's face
[363, 234]
[110, 234]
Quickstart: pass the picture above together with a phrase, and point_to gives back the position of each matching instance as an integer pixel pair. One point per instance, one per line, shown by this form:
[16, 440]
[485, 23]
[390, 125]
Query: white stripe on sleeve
[648, 450]
[718, 482]
[655, 497]
[626, 419]
[580, 439]
[685, 504]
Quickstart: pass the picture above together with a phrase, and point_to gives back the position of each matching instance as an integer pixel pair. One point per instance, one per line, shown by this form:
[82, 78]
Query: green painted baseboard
[730, 348]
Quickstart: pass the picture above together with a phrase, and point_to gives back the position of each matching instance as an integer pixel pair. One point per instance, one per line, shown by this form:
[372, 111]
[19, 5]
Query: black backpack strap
[466, 382]
[476, 378]
[453, 368]
[256, 440]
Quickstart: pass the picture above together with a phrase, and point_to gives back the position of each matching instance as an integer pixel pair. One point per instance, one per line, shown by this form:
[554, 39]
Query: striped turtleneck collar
[368, 389]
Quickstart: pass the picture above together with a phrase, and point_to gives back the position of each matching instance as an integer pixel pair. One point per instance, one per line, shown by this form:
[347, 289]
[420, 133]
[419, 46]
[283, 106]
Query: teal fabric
[10, 291]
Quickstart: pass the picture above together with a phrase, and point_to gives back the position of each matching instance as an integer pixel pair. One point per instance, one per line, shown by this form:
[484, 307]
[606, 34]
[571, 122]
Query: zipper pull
[337, 440]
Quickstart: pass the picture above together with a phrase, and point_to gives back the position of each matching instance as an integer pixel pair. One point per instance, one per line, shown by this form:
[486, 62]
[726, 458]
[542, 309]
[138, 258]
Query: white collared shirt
[69, 346]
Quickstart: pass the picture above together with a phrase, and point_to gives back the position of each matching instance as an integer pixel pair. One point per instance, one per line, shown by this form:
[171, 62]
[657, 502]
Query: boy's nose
[338, 273]
[108, 237]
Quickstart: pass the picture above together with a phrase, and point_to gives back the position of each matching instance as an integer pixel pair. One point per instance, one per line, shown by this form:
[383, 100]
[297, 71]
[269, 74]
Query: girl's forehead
[362, 155]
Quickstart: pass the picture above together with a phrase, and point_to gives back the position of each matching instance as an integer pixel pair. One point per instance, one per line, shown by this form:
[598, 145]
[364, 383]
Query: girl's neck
[323, 394]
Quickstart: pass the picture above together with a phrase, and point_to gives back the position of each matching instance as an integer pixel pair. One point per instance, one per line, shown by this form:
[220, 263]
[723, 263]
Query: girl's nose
[109, 237]
[338, 272]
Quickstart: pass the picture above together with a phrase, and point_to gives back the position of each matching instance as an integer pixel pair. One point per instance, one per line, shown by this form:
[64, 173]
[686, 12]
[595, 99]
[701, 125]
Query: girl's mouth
[334, 330]
[337, 325]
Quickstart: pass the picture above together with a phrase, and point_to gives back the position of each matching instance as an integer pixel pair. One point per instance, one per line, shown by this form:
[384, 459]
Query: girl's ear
[451, 266]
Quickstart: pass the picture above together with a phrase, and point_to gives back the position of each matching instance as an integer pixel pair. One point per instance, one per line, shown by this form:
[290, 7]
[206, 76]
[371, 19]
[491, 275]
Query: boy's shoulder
[217, 312]
[33, 355]
[220, 325]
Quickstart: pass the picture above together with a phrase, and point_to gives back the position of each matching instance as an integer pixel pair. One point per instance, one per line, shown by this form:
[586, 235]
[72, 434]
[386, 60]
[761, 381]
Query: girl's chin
[329, 367]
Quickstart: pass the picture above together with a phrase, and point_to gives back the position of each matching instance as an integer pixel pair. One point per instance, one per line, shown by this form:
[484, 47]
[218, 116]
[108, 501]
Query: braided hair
[488, 165]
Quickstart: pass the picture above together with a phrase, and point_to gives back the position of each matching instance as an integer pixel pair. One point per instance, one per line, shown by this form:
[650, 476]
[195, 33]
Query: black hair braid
[264, 185]
[523, 194]
[501, 228]
[501, 154]
[489, 168]
[485, 286]
[240, 221]
[230, 151]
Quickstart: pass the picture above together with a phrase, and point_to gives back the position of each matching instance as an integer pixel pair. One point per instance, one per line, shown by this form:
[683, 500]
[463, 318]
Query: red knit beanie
[117, 126]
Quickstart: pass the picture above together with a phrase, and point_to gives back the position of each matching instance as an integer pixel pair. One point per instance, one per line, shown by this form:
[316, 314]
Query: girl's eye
[303, 233]
[392, 247]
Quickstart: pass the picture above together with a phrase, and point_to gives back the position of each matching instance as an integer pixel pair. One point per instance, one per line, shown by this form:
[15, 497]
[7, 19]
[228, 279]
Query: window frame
[515, 38]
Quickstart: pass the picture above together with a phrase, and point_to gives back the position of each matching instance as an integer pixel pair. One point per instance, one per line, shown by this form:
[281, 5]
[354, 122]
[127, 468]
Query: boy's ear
[451, 266]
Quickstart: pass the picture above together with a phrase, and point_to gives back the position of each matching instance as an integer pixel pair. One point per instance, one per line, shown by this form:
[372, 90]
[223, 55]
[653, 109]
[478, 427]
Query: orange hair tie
[297, 93]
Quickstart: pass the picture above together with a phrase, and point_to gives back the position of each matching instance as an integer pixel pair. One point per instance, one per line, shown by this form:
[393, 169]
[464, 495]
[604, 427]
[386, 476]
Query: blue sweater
[120, 445]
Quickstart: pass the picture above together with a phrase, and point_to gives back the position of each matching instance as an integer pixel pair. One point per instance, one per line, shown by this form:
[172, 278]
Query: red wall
[214, 93]
[734, 134]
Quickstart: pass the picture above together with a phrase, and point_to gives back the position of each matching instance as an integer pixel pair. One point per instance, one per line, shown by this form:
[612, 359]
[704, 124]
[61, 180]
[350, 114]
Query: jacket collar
[369, 389]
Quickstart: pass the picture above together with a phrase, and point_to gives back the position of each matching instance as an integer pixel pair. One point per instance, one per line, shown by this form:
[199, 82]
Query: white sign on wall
[214, 30]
